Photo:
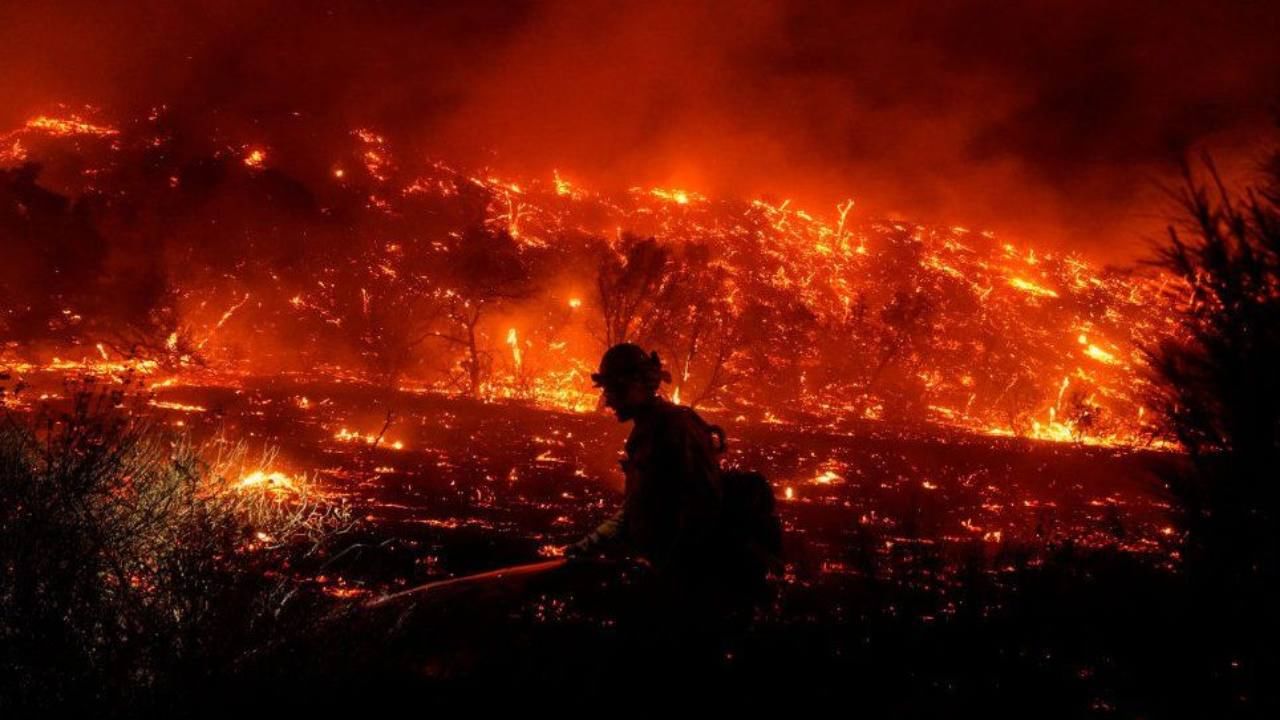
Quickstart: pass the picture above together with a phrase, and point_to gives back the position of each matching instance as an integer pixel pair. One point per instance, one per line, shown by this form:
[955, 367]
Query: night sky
[1049, 121]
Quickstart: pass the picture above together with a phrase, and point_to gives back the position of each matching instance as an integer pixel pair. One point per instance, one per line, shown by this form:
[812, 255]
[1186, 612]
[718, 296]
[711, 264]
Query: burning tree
[777, 341]
[383, 301]
[148, 326]
[675, 299]
[631, 282]
[906, 335]
[480, 269]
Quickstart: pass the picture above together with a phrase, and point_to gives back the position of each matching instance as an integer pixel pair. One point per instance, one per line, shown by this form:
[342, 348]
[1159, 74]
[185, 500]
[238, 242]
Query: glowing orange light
[826, 477]
[273, 481]
[1031, 288]
[514, 343]
[68, 126]
[1100, 355]
[679, 197]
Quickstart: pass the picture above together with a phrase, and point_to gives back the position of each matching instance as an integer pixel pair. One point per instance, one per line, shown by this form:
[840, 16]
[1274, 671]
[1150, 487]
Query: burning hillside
[136, 245]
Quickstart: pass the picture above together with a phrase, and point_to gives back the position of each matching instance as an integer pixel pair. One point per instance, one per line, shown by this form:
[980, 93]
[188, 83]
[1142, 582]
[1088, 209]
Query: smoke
[1051, 122]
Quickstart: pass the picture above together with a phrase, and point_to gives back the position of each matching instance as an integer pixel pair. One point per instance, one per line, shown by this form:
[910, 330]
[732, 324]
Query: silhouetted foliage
[1219, 385]
[629, 283]
[132, 569]
[480, 270]
[1218, 388]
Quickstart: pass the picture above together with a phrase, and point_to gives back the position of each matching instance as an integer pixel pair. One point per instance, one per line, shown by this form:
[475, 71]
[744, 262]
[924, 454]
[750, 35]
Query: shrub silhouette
[133, 568]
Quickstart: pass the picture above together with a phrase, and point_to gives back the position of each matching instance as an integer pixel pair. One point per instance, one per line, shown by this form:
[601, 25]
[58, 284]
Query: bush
[1219, 391]
[1218, 387]
[135, 566]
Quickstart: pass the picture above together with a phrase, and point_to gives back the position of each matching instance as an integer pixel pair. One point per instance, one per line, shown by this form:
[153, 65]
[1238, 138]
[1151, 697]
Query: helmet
[627, 361]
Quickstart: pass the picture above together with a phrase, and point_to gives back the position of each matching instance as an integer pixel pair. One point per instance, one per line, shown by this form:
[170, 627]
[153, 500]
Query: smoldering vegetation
[147, 243]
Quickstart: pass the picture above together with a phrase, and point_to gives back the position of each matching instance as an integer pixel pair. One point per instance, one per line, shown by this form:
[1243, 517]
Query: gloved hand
[603, 538]
[584, 549]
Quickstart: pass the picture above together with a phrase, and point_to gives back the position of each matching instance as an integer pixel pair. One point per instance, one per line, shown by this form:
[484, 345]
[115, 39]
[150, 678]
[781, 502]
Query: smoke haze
[1049, 121]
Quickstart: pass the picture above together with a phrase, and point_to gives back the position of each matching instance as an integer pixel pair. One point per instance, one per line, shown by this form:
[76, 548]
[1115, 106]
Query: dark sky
[1049, 121]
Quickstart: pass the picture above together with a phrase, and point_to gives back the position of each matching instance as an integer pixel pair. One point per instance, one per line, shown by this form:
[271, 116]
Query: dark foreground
[929, 573]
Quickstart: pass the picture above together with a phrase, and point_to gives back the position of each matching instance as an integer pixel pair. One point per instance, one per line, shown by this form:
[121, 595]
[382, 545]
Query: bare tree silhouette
[630, 283]
[481, 270]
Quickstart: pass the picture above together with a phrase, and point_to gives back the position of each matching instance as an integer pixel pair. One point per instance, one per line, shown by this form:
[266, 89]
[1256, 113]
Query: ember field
[447, 486]
[958, 427]
[995, 558]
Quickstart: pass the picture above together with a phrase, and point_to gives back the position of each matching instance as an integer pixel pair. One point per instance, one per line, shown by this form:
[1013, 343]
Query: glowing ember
[1100, 355]
[1029, 287]
[514, 343]
[679, 197]
[180, 407]
[826, 477]
[271, 481]
[71, 125]
[346, 436]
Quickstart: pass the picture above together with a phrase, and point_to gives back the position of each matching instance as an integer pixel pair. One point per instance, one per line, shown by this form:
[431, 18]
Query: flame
[346, 436]
[827, 266]
[180, 407]
[514, 344]
[827, 477]
[1031, 288]
[270, 481]
[679, 197]
[71, 125]
[1100, 355]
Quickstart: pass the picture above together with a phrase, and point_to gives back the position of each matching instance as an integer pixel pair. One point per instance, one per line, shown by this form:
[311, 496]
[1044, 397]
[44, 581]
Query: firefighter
[671, 504]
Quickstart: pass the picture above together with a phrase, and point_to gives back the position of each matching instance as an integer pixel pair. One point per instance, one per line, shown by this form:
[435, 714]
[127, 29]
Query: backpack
[748, 519]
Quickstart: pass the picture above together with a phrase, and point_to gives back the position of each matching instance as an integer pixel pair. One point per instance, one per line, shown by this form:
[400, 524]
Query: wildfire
[1031, 288]
[346, 436]
[514, 343]
[767, 269]
[564, 188]
[679, 197]
[270, 481]
[1100, 355]
[827, 477]
[180, 407]
[71, 125]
